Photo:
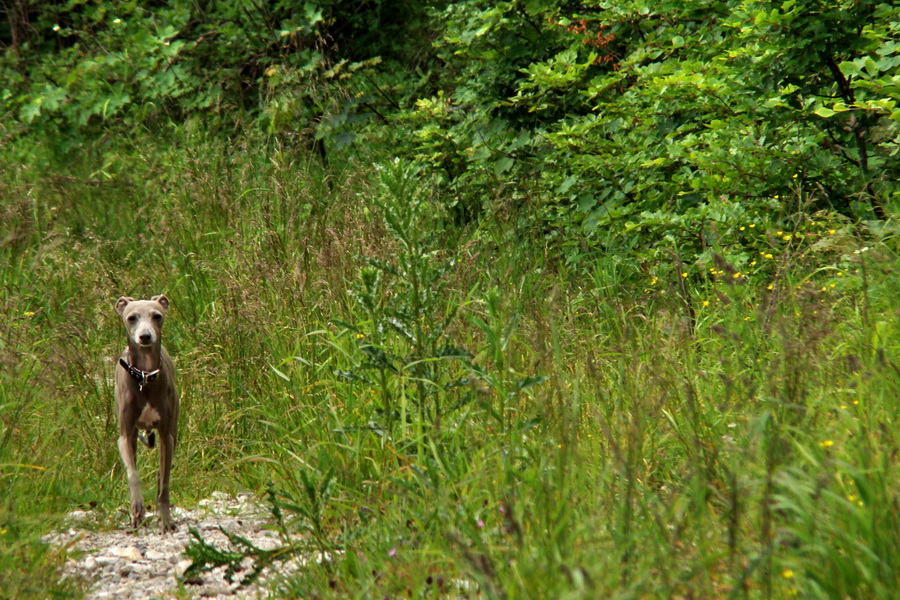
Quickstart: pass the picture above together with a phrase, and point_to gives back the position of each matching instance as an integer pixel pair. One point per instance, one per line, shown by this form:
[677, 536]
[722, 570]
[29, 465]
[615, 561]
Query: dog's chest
[149, 417]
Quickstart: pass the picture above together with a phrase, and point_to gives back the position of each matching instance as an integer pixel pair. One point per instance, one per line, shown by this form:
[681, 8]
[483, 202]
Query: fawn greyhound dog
[146, 399]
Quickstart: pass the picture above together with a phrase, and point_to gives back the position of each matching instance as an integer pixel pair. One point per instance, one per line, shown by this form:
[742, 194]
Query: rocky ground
[122, 564]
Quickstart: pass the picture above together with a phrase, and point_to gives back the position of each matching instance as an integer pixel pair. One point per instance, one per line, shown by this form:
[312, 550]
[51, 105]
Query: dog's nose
[146, 337]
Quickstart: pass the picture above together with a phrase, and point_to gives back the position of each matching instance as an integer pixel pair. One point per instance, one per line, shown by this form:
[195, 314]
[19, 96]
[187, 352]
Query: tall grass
[440, 410]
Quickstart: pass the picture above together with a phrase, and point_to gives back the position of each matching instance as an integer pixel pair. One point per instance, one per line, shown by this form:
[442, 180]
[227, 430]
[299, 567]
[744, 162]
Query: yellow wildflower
[826, 443]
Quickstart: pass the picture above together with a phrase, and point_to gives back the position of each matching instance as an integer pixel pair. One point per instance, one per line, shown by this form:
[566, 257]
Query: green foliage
[597, 123]
[708, 436]
[642, 120]
[423, 377]
[310, 508]
[604, 306]
[403, 299]
[300, 69]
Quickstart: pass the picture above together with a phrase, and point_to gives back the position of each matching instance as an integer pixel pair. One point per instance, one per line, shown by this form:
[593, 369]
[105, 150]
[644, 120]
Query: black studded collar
[142, 377]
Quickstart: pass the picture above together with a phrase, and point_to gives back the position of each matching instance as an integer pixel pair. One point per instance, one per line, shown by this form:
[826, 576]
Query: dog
[146, 399]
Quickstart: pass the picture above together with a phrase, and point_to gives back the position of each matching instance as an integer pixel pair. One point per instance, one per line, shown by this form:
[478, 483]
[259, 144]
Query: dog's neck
[145, 358]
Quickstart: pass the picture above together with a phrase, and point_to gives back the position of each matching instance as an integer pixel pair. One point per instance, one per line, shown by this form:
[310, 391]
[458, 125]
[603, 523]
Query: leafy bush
[299, 68]
[666, 122]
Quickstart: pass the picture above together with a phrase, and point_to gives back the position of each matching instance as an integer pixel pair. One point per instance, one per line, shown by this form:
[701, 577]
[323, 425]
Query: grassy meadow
[451, 412]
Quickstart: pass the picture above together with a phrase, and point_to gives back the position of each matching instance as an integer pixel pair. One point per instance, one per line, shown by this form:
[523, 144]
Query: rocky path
[125, 565]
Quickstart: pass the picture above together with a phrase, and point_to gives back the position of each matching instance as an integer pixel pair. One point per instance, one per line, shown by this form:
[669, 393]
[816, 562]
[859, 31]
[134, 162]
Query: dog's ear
[121, 303]
[162, 300]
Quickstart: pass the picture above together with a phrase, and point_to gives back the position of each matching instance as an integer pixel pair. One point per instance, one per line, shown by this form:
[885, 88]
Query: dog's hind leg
[128, 451]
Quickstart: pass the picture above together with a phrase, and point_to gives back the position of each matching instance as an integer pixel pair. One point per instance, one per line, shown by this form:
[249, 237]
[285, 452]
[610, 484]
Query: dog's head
[143, 319]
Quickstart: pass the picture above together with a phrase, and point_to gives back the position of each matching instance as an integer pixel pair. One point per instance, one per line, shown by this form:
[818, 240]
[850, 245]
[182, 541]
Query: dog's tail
[149, 441]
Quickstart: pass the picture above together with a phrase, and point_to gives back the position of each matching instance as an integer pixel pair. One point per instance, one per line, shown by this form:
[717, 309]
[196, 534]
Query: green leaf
[31, 111]
[567, 183]
[280, 373]
[849, 69]
[871, 67]
[503, 164]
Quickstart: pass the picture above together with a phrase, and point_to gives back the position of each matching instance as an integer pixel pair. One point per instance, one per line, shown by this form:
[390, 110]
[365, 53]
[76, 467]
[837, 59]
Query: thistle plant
[407, 311]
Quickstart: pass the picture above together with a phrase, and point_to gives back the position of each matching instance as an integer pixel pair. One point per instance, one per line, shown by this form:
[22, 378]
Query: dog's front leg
[166, 451]
[128, 451]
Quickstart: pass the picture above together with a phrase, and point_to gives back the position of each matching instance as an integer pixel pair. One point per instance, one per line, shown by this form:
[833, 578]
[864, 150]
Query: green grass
[442, 408]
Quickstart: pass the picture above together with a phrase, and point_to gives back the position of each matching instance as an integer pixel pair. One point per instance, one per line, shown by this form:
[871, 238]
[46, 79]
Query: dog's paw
[165, 520]
[137, 514]
[166, 526]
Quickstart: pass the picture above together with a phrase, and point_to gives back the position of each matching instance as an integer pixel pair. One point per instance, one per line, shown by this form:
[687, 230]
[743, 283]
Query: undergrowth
[446, 412]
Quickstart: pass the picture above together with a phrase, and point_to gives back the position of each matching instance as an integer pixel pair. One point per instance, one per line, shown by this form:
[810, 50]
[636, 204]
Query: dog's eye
[132, 318]
[157, 317]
